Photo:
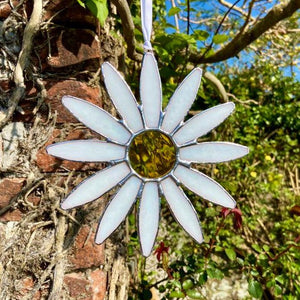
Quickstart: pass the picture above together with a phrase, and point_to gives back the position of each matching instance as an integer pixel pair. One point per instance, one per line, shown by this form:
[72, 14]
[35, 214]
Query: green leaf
[176, 294]
[187, 284]
[81, 3]
[220, 38]
[200, 35]
[173, 11]
[194, 294]
[98, 9]
[255, 290]
[280, 279]
[215, 273]
[277, 290]
[202, 278]
[230, 253]
[256, 248]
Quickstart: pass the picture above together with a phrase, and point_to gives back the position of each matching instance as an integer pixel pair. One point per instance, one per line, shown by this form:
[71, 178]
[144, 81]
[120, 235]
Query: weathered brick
[56, 89]
[5, 85]
[5, 9]
[78, 286]
[67, 49]
[98, 281]
[9, 187]
[25, 286]
[69, 12]
[85, 253]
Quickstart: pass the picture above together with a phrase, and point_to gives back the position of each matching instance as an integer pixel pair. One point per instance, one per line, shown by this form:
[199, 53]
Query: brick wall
[65, 60]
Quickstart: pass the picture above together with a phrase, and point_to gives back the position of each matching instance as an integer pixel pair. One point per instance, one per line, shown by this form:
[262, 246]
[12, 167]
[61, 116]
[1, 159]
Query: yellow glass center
[152, 154]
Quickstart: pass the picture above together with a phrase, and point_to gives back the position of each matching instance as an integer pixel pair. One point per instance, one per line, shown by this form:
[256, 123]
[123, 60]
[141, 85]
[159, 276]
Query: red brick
[5, 9]
[25, 285]
[11, 215]
[85, 253]
[98, 283]
[9, 188]
[48, 163]
[67, 49]
[55, 91]
[78, 286]
[69, 12]
[5, 85]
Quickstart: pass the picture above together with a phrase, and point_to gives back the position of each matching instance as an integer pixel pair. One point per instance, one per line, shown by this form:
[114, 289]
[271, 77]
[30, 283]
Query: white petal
[96, 185]
[118, 209]
[150, 89]
[204, 186]
[182, 209]
[96, 119]
[149, 217]
[212, 152]
[203, 122]
[87, 150]
[181, 101]
[122, 97]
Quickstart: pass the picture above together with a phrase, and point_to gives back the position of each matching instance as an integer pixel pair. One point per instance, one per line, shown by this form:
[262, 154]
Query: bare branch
[240, 42]
[128, 28]
[236, 8]
[175, 16]
[182, 18]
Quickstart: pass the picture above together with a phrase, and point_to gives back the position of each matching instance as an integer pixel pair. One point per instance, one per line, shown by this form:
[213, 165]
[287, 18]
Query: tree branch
[241, 41]
[217, 85]
[30, 29]
[128, 28]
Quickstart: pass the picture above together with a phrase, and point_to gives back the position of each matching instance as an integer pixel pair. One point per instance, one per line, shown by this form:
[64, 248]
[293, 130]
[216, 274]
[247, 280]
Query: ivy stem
[213, 239]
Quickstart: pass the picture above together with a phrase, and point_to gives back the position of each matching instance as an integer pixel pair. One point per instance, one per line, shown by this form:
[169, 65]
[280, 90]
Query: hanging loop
[146, 14]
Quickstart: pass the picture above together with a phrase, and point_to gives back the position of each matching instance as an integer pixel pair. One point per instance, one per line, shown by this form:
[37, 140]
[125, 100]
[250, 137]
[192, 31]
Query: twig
[175, 16]
[278, 255]
[236, 8]
[60, 263]
[242, 101]
[188, 17]
[29, 32]
[275, 15]
[219, 27]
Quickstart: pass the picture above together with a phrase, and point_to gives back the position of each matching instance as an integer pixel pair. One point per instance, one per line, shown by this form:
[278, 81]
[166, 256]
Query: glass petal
[212, 152]
[181, 101]
[118, 209]
[96, 185]
[203, 122]
[150, 89]
[182, 209]
[97, 119]
[149, 217]
[204, 186]
[122, 97]
[87, 150]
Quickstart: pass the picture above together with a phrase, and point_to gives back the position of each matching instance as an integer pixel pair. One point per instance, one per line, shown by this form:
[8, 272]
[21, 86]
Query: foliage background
[263, 81]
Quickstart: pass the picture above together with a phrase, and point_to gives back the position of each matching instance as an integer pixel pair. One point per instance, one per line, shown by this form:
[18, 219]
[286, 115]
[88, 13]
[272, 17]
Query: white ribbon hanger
[146, 14]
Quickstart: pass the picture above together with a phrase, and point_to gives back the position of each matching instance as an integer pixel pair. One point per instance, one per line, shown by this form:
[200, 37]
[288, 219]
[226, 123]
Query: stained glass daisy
[149, 152]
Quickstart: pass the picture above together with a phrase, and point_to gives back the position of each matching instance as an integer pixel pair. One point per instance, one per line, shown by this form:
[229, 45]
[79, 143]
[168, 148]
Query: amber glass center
[152, 154]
